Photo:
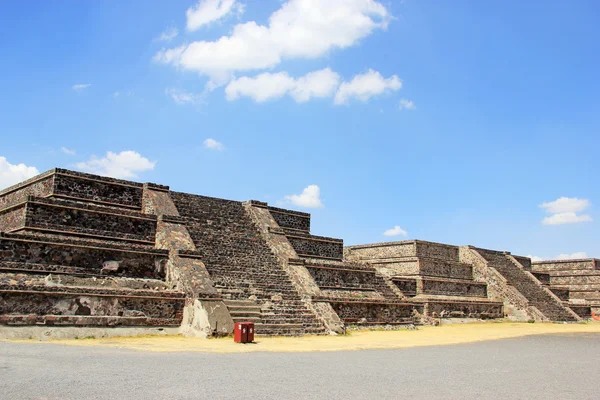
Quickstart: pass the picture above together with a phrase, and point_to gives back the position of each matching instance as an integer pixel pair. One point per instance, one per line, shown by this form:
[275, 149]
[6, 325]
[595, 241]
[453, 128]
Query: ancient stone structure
[432, 275]
[575, 282]
[79, 251]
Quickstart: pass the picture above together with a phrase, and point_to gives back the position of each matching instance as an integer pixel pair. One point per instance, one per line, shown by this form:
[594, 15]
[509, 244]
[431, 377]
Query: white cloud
[268, 86]
[566, 218]
[183, 97]
[407, 105]
[565, 210]
[364, 86]
[126, 164]
[565, 204]
[80, 86]
[11, 174]
[563, 256]
[168, 34]
[212, 144]
[299, 29]
[395, 231]
[207, 11]
[68, 151]
[309, 198]
[572, 256]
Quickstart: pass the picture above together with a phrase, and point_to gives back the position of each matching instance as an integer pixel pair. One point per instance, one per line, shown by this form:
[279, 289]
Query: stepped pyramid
[85, 251]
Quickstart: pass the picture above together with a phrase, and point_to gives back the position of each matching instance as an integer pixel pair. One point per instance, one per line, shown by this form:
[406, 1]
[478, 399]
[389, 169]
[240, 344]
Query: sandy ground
[355, 340]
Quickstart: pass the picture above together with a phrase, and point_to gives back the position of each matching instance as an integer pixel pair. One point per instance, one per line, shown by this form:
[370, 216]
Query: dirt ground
[354, 340]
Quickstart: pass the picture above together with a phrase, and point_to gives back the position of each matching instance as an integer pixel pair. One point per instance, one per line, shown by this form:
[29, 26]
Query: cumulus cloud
[212, 144]
[564, 210]
[364, 86]
[566, 218]
[68, 151]
[183, 97]
[407, 105]
[207, 11]
[565, 204]
[11, 174]
[168, 34]
[309, 198]
[268, 86]
[299, 29]
[80, 86]
[395, 231]
[126, 164]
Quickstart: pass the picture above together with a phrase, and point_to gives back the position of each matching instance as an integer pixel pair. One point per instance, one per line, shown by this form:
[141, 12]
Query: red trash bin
[250, 326]
[240, 332]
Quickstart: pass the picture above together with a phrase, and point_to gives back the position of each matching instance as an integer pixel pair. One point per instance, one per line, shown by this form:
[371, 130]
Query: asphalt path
[535, 367]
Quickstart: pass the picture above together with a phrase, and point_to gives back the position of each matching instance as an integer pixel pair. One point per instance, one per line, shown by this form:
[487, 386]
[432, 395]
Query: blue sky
[454, 121]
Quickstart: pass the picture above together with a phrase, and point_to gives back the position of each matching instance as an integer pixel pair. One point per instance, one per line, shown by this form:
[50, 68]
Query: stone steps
[528, 286]
[239, 261]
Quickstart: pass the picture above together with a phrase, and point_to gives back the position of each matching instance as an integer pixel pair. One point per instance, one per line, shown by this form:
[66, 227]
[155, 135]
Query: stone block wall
[454, 288]
[407, 286]
[412, 266]
[78, 185]
[436, 250]
[40, 186]
[447, 269]
[465, 309]
[317, 246]
[88, 220]
[566, 265]
[381, 250]
[403, 249]
[12, 218]
[21, 252]
[60, 306]
[331, 278]
[374, 313]
[291, 219]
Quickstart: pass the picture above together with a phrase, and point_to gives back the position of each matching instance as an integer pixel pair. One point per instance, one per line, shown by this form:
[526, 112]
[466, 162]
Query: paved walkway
[536, 367]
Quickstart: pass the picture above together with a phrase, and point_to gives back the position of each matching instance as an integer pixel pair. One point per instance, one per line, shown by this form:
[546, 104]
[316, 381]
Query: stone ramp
[526, 284]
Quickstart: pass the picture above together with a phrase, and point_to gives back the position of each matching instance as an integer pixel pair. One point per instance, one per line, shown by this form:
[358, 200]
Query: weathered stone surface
[291, 219]
[157, 202]
[316, 246]
[95, 251]
[21, 252]
[12, 218]
[40, 186]
[407, 248]
[204, 313]
[57, 215]
[78, 185]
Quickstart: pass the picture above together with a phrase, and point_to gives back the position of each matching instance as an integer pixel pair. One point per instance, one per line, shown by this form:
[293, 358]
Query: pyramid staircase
[242, 267]
[528, 285]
